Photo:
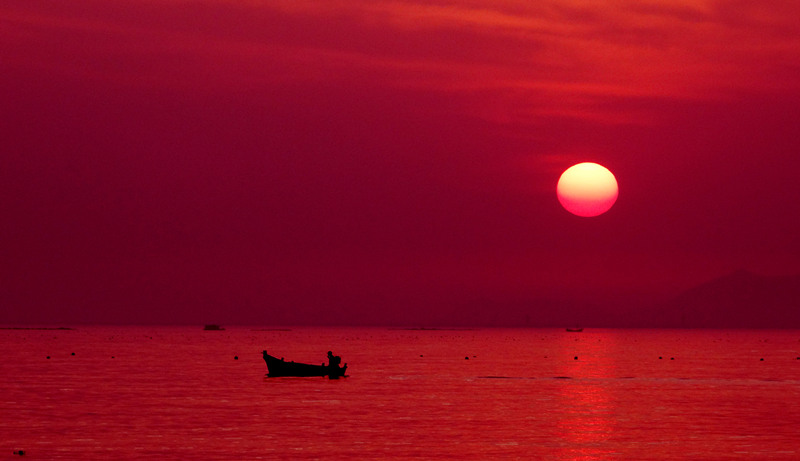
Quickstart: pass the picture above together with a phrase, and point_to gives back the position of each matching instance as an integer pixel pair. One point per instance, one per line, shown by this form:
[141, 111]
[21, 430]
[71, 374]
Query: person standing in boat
[333, 360]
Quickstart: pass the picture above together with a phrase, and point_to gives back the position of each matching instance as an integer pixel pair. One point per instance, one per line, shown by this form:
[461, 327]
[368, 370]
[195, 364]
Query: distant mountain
[738, 300]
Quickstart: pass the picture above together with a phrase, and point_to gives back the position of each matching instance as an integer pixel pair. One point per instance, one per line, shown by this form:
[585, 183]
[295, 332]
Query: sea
[128, 393]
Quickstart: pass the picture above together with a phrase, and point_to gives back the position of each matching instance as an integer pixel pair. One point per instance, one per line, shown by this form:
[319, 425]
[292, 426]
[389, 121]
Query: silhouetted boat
[212, 327]
[575, 330]
[278, 367]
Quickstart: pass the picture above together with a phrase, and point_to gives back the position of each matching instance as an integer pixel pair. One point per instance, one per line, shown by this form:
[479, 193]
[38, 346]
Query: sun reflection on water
[585, 424]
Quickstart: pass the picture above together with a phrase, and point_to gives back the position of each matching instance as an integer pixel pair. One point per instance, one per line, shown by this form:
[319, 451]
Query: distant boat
[278, 367]
[575, 330]
[213, 327]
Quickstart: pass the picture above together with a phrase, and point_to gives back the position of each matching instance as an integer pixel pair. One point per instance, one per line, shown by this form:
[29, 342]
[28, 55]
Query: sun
[587, 189]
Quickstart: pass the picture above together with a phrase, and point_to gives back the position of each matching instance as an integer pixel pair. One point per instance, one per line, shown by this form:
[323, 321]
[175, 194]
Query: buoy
[48, 357]
[73, 353]
[466, 358]
[576, 357]
[762, 359]
[660, 357]
[235, 357]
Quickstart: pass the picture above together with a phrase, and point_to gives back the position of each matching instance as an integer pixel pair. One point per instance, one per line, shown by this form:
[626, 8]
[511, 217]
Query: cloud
[545, 58]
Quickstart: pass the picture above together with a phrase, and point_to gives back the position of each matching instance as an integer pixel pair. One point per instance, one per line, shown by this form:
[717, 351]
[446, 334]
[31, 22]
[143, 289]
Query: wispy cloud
[555, 57]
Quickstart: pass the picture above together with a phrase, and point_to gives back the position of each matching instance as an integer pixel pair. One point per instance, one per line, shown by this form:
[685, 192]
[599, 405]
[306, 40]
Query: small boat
[575, 330]
[277, 367]
[213, 327]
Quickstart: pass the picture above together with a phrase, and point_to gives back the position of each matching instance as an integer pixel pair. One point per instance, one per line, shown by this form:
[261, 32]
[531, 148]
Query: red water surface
[179, 393]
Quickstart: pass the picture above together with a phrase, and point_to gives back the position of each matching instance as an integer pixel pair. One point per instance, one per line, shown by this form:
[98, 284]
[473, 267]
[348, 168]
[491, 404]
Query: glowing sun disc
[587, 189]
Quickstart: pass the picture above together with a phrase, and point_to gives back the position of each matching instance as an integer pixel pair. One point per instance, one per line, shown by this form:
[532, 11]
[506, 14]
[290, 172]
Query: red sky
[350, 162]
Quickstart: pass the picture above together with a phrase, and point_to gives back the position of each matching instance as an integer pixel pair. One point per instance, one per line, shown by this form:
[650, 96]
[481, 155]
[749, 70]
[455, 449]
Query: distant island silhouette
[740, 299]
[737, 300]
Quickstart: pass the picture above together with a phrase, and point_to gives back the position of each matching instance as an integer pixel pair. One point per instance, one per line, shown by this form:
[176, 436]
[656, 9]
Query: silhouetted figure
[334, 370]
[333, 360]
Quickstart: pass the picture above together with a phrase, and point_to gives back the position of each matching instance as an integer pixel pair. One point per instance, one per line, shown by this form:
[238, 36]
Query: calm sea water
[178, 393]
